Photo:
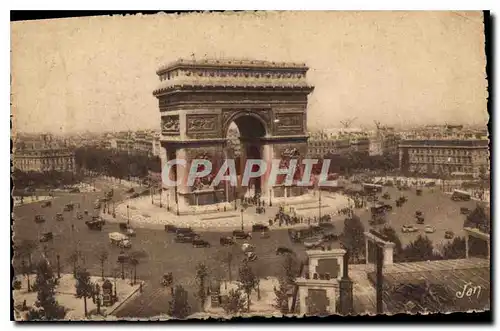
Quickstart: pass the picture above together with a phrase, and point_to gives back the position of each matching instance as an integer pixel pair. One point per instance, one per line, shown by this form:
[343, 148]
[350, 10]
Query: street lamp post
[128, 215]
[319, 205]
[241, 218]
[161, 192]
[270, 194]
[168, 200]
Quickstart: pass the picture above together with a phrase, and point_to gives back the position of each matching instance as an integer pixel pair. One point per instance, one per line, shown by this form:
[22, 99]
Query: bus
[459, 195]
[372, 188]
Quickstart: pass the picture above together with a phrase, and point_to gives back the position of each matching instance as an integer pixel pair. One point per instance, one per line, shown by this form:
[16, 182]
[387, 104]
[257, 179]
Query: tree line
[118, 164]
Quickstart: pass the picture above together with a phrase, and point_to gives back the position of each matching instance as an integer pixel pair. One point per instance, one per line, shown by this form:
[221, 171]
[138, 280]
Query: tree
[454, 249]
[420, 250]
[84, 287]
[289, 268]
[74, 258]
[227, 259]
[478, 219]
[134, 260]
[25, 249]
[168, 281]
[281, 301]
[46, 307]
[393, 237]
[235, 303]
[201, 276]
[248, 281]
[102, 256]
[353, 236]
[179, 306]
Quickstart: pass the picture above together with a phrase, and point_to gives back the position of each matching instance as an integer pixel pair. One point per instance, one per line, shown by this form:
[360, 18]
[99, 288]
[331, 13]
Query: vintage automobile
[170, 228]
[124, 227]
[386, 196]
[69, 207]
[94, 225]
[186, 237]
[47, 204]
[46, 237]
[464, 211]
[200, 243]
[420, 220]
[86, 212]
[419, 192]
[227, 241]
[184, 231]
[409, 228]
[39, 219]
[238, 234]
[429, 229]
[167, 279]
[250, 257]
[449, 235]
[260, 210]
[59, 217]
[249, 252]
[283, 250]
[120, 240]
[259, 227]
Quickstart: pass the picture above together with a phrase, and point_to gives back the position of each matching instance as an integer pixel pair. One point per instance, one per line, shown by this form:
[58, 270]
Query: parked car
[259, 227]
[39, 219]
[409, 228]
[59, 217]
[47, 204]
[227, 241]
[46, 237]
[429, 229]
[170, 228]
[449, 235]
[200, 243]
[238, 234]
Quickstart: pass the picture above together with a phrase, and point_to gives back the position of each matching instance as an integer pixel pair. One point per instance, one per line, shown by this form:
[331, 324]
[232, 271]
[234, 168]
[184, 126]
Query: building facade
[337, 142]
[43, 160]
[449, 157]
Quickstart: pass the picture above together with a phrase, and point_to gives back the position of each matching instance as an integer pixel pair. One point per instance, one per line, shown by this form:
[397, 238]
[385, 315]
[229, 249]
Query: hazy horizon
[403, 69]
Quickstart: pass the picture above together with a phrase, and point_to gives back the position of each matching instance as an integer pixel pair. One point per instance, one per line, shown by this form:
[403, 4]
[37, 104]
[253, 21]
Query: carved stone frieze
[289, 123]
[203, 125]
[170, 125]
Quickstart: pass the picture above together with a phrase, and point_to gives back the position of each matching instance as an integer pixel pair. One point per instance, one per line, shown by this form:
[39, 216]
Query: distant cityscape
[452, 150]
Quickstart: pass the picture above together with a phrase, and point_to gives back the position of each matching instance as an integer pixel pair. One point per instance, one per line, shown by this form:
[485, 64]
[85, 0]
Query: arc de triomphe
[198, 100]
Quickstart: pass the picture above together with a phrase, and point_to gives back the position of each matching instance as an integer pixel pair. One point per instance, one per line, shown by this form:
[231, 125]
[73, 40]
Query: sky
[399, 68]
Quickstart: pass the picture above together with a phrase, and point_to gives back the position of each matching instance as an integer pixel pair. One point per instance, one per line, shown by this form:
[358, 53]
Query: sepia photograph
[187, 166]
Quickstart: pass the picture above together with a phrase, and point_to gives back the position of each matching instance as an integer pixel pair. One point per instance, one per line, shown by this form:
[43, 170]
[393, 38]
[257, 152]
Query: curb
[124, 300]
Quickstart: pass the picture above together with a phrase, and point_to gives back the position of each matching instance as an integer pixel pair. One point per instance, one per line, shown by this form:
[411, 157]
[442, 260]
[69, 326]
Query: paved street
[164, 255]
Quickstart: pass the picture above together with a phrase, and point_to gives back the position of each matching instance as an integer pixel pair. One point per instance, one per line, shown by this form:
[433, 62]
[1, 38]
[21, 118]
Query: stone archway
[198, 100]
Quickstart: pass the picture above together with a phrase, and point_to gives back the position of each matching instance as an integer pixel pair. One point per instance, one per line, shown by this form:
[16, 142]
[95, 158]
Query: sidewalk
[65, 296]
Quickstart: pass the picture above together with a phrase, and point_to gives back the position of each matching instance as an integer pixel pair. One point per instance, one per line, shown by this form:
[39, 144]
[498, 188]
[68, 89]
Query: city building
[42, 155]
[445, 154]
[384, 141]
[337, 142]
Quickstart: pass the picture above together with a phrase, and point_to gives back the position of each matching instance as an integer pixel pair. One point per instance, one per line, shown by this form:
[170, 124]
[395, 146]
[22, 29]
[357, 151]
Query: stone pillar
[330, 294]
[388, 253]
[302, 300]
[366, 250]
[466, 245]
